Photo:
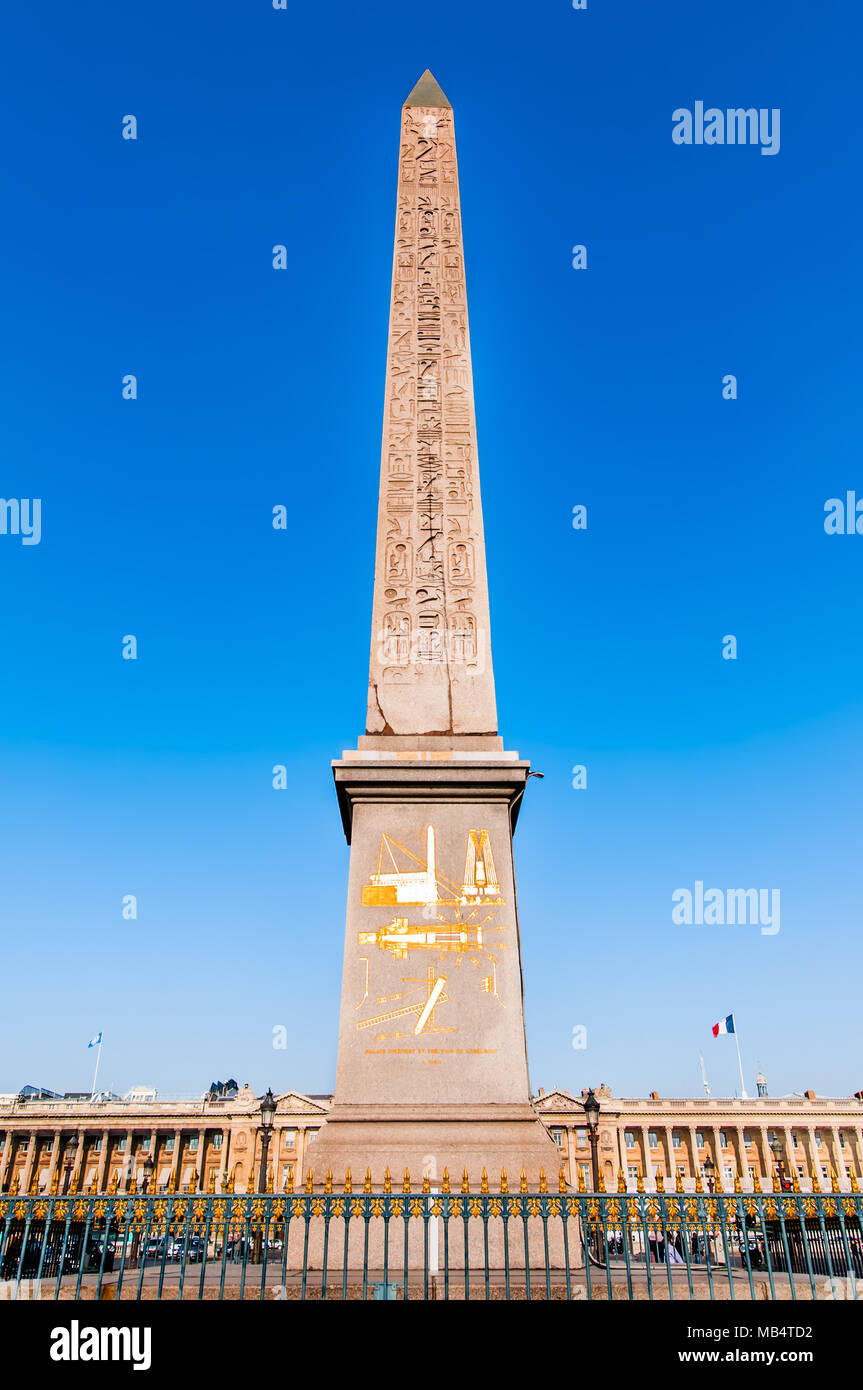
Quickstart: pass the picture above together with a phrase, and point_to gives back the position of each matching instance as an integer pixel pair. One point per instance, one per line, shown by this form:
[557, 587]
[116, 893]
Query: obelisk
[432, 1062]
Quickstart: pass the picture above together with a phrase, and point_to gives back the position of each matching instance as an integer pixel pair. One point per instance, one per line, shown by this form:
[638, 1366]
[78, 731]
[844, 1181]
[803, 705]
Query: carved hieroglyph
[430, 669]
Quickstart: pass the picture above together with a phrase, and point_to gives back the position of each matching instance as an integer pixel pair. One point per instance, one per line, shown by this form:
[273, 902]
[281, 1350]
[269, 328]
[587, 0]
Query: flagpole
[98, 1060]
[743, 1094]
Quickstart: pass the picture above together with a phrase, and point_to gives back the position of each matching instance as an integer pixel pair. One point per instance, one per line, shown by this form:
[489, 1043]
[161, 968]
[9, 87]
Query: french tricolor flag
[725, 1025]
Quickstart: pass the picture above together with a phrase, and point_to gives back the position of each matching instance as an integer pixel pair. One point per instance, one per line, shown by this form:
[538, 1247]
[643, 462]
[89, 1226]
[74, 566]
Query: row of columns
[127, 1162]
[840, 1159]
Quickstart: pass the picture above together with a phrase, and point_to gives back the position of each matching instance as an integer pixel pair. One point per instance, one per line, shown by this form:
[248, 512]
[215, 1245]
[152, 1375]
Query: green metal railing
[427, 1245]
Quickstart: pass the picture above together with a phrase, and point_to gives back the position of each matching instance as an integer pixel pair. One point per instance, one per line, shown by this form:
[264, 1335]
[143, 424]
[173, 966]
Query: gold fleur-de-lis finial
[504, 1184]
[388, 1182]
[14, 1188]
[522, 1185]
[269, 1179]
[816, 1186]
[211, 1182]
[133, 1184]
[795, 1180]
[76, 1180]
[834, 1181]
[678, 1180]
[543, 1182]
[621, 1181]
[853, 1177]
[426, 1183]
[367, 1181]
[172, 1180]
[250, 1185]
[114, 1183]
[406, 1185]
[756, 1181]
[738, 1187]
[289, 1185]
[349, 1182]
[328, 1181]
[483, 1182]
[55, 1182]
[582, 1186]
[777, 1186]
[444, 1186]
[465, 1181]
[310, 1181]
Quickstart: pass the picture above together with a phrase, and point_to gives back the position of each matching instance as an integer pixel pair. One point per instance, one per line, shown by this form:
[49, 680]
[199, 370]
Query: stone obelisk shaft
[432, 1062]
[430, 669]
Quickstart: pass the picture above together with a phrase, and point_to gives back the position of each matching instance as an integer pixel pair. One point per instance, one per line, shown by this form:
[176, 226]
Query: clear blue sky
[256, 388]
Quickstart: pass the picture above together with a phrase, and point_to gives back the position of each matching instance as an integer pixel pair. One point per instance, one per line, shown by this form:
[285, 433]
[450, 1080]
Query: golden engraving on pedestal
[460, 926]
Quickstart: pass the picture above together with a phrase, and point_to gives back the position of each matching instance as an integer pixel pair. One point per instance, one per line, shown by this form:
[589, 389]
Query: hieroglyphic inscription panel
[430, 669]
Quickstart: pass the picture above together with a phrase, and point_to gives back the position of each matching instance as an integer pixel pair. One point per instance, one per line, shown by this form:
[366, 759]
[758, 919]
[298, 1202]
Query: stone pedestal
[432, 1063]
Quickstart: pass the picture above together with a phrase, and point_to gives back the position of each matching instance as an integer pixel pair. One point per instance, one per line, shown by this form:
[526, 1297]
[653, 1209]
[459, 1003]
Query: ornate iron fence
[432, 1245]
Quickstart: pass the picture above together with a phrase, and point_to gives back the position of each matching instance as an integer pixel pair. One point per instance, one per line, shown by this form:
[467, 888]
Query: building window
[629, 1139]
[723, 1139]
[818, 1143]
[193, 1143]
[632, 1172]
[824, 1172]
[311, 1135]
[752, 1172]
[557, 1136]
[729, 1173]
[289, 1138]
[121, 1145]
[747, 1137]
[96, 1146]
[145, 1142]
[699, 1139]
[169, 1144]
[652, 1139]
[218, 1140]
[794, 1140]
[841, 1140]
[581, 1138]
[676, 1141]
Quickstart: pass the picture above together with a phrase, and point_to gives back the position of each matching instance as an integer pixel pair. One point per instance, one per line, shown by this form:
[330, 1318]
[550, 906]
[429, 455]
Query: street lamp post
[268, 1114]
[591, 1114]
[149, 1168]
[776, 1149]
[709, 1170]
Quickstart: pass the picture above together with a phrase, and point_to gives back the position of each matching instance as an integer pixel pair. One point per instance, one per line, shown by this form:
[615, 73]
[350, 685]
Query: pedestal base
[425, 1140]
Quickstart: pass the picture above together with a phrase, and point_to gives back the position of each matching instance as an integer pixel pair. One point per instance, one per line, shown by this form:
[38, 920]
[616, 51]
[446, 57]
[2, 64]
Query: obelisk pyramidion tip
[427, 93]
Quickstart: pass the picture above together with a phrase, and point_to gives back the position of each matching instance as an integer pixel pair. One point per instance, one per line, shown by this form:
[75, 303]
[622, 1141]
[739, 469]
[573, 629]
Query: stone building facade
[196, 1143]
